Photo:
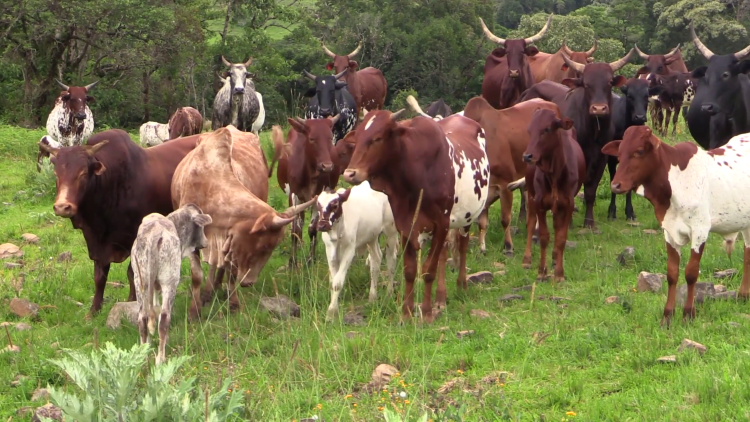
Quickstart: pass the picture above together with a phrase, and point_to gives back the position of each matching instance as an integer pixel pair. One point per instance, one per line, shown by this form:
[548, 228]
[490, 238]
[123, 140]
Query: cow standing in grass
[236, 103]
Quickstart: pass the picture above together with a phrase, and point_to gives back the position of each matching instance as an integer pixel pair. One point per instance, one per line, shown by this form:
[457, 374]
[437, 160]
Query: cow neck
[234, 109]
[657, 188]
[553, 166]
[302, 159]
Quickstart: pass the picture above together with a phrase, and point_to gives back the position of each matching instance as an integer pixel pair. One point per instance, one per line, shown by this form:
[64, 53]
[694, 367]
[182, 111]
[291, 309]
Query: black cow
[438, 108]
[721, 107]
[331, 97]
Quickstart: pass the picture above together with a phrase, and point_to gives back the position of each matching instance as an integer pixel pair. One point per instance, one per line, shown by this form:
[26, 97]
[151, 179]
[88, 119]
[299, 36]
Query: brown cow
[368, 86]
[662, 65]
[552, 67]
[442, 166]
[106, 187]
[185, 121]
[556, 172]
[307, 165]
[506, 70]
[245, 229]
[507, 139]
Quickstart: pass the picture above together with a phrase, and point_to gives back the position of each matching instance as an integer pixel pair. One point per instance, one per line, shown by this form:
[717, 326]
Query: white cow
[156, 258]
[258, 123]
[351, 220]
[154, 133]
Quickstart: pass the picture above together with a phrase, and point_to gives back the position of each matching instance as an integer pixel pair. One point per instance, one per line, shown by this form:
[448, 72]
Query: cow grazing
[156, 256]
[70, 122]
[506, 70]
[153, 133]
[589, 105]
[552, 67]
[553, 179]
[693, 192]
[368, 86]
[306, 167]
[236, 103]
[106, 187]
[245, 229]
[442, 166]
[439, 109]
[351, 221]
[507, 139]
[185, 121]
[330, 97]
[721, 107]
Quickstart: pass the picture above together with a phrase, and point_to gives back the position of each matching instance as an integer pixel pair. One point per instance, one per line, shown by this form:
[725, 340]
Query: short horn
[226, 63]
[356, 50]
[490, 36]
[396, 115]
[574, 65]
[341, 74]
[541, 33]
[699, 45]
[249, 62]
[618, 64]
[643, 55]
[591, 50]
[62, 85]
[566, 49]
[673, 52]
[309, 75]
[91, 85]
[328, 52]
[93, 149]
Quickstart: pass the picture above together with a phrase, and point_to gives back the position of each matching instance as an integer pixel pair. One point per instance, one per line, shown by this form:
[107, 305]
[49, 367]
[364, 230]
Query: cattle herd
[546, 124]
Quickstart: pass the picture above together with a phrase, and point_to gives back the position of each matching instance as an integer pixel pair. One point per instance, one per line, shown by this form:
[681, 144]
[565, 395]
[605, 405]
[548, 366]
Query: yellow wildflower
[570, 413]
[319, 406]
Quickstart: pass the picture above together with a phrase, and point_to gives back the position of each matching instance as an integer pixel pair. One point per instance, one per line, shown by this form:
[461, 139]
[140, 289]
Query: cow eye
[639, 153]
[725, 75]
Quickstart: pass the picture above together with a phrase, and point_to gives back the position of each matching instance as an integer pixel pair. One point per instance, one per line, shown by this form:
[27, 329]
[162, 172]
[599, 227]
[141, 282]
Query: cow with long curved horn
[368, 86]
[552, 67]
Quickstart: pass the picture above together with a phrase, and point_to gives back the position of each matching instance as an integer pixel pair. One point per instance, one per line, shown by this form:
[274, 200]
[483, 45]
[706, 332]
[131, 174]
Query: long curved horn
[415, 106]
[742, 53]
[574, 65]
[300, 120]
[328, 52]
[309, 75]
[673, 52]
[699, 45]
[249, 62]
[396, 115]
[490, 36]
[618, 64]
[293, 211]
[92, 149]
[340, 74]
[91, 85]
[356, 50]
[541, 33]
[643, 55]
[566, 49]
[225, 61]
[49, 149]
[62, 85]
[591, 50]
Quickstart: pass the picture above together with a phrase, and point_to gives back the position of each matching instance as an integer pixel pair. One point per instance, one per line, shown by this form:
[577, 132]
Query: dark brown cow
[553, 179]
[553, 67]
[307, 165]
[506, 70]
[106, 188]
[442, 167]
[662, 65]
[507, 139]
[368, 86]
[185, 121]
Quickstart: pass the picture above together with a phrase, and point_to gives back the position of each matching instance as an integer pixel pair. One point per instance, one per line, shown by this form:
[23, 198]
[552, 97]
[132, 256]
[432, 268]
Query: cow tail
[277, 135]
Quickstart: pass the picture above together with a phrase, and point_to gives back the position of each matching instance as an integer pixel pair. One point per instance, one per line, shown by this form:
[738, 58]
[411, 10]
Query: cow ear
[589, 60]
[566, 123]
[671, 59]
[572, 82]
[225, 74]
[353, 65]
[699, 72]
[532, 51]
[344, 195]
[498, 52]
[340, 85]
[612, 148]
[311, 92]
[655, 90]
[98, 167]
[329, 66]
[743, 66]
[65, 95]
[202, 219]
[262, 223]
[642, 71]
[564, 67]
[299, 127]
[90, 99]
[619, 80]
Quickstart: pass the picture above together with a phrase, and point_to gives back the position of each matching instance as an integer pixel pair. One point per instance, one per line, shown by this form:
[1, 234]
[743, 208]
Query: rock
[648, 282]
[633, 223]
[612, 299]
[22, 326]
[702, 291]
[9, 250]
[31, 238]
[480, 277]
[650, 231]
[65, 256]
[499, 273]
[115, 284]
[354, 318]
[13, 265]
[40, 394]
[12, 349]
[720, 288]
[49, 410]
[725, 274]
[518, 289]
[499, 265]
[23, 308]
[510, 297]
[54, 345]
[351, 334]
[690, 344]
[17, 380]
[667, 359]
[280, 306]
[383, 373]
[731, 294]
[626, 256]
[569, 244]
[733, 324]
[464, 333]
[128, 310]
[479, 313]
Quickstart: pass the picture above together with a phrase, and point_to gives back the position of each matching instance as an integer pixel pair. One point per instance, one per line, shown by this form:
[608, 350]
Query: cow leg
[629, 211]
[207, 295]
[660, 120]
[168, 292]
[483, 222]
[441, 296]
[543, 243]
[673, 274]
[589, 189]
[196, 277]
[234, 300]
[612, 167]
[131, 282]
[296, 232]
[665, 129]
[463, 247]
[522, 211]
[410, 273]
[312, 234]
[675, 118]
[691, 277]
[337, 281]
[429, 270]
[531, 224]
[391, 258]
[144, 303]
[506, 206]
[376, 258]
[100, 282]
[561, 221]
[744, 291]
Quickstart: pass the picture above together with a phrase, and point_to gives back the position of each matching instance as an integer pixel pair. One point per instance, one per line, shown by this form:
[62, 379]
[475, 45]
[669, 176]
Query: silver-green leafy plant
[391, 416]
[113, 389]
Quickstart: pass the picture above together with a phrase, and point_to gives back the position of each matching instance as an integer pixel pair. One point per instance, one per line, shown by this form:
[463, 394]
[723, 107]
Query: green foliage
[113, 390]
[391, 416]
[399, 100]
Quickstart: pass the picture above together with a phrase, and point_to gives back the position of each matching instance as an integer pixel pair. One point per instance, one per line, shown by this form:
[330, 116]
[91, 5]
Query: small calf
[351, 220]
[553, 179]
[156, 257]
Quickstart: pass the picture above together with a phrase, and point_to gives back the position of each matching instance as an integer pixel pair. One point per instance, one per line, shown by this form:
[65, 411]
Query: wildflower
[402, 394]
[406, 401]
[354, 404]
[315, 417]
[459, 371]
[205, 367]
[229, 390]
[502, 385]
[348, 396]
[247, 391]
[381, 408]
[319, 406]
[570, 413]
[398, 374]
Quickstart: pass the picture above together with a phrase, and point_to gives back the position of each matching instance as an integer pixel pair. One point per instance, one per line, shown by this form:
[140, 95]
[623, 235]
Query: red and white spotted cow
[693, 192]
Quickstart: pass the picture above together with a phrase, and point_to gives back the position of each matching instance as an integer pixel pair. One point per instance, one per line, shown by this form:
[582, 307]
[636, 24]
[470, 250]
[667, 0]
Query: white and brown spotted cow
[153, 133]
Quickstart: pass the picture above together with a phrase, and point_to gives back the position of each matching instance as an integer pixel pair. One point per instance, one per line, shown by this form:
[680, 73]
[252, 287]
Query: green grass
[580, 355]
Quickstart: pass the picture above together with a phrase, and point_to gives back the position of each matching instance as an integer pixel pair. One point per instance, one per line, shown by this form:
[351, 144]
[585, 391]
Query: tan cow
[552, 67]
[226, 176]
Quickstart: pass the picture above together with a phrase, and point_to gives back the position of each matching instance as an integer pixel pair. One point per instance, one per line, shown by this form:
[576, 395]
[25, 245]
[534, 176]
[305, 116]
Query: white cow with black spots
[153, 133]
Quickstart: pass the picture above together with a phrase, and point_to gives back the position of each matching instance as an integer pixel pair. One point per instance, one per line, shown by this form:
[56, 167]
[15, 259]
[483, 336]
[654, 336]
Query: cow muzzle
[616, 187]
[514, 73]
[528, 158]
[599, 110]
[324, 225]
[639, 119]
[64, 209]
[239, 90]
[710, 109]
[355, 176]
[81, 116]
[326, 167]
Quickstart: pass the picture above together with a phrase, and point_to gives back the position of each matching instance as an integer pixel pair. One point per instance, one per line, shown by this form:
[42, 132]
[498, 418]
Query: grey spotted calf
[156, 258]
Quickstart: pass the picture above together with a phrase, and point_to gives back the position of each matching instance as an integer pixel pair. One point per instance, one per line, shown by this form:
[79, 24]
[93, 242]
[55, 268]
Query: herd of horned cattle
[547, 124]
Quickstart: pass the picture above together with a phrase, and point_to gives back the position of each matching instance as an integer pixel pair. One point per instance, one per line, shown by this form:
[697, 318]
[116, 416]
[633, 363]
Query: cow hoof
[194, 316]
[688, 314]
[526, 265]
[246, 283]
[509, 253]
[631, 217]
[428, 318]
[234, 307]
[743, 296]
[666, 320]
[440, 305]
[206, 297]
[542, 277]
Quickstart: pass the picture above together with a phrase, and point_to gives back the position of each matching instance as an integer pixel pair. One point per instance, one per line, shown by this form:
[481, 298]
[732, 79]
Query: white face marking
[62, 195]
[324, 82]
[367, 126]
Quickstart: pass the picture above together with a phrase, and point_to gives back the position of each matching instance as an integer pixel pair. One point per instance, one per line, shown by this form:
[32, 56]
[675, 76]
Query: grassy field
[577, 359]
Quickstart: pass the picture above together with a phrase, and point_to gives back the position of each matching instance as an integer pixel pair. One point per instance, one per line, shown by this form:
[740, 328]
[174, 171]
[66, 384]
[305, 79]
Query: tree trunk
[226, 23]
[146, 84]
